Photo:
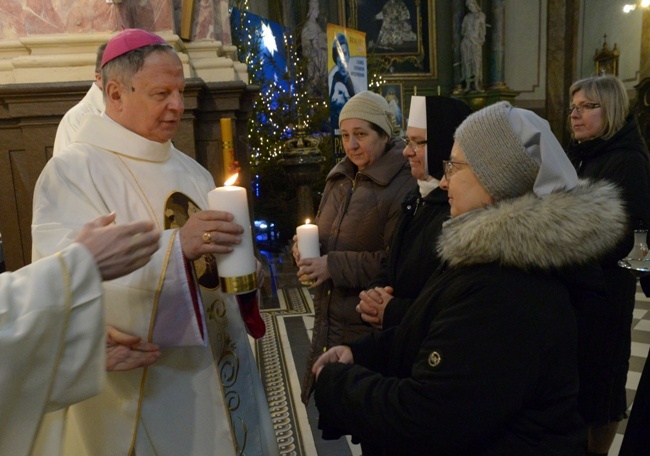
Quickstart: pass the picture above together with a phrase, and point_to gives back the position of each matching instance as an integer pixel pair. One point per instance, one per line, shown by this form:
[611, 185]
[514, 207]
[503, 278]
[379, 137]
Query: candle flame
[307, 222]
[231, 180]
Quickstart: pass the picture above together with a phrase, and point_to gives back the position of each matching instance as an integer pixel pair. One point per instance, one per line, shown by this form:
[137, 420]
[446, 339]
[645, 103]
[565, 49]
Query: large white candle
[308, 244]
[237, 268]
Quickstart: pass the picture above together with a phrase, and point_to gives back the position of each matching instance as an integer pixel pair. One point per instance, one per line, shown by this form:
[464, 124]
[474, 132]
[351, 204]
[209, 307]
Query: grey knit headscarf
[512, 151]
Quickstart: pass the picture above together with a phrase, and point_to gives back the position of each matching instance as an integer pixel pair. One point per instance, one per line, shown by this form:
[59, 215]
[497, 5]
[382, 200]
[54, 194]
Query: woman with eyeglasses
[357, 216]
[607, 144]
[413, 257]
[484, 361]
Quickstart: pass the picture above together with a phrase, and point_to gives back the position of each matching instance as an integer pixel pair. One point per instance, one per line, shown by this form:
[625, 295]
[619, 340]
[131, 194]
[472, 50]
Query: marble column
[562, 25]
[457, 14]
[497, 51]
[645, 46]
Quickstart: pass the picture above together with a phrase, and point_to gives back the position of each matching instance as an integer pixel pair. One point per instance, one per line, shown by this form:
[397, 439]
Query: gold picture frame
[606, 59]
[414, 57]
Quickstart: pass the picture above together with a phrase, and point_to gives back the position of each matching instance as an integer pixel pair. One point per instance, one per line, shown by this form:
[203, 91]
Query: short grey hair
[124, 67]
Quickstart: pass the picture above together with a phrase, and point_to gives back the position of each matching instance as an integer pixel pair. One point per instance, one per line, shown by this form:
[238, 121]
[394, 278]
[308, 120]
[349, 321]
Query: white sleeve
[51, 341]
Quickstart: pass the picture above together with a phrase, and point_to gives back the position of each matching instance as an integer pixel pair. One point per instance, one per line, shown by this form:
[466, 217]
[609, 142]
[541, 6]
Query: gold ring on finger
[207, 237]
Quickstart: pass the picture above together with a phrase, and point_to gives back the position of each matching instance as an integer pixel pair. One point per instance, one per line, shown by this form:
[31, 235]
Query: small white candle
[240, 263]
[308, 244]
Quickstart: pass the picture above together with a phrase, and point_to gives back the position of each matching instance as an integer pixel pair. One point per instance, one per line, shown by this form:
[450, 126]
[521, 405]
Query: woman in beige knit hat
[358, 213]
[484, 361]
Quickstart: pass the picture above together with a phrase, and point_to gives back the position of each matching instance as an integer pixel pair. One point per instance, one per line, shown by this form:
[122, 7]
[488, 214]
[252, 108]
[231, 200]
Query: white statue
[471, 46]
[396, 27]
[314, 48]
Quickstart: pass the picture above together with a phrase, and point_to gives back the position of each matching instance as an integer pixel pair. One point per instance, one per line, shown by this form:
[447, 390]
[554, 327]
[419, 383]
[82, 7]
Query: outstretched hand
[126, 352]
[118, 249]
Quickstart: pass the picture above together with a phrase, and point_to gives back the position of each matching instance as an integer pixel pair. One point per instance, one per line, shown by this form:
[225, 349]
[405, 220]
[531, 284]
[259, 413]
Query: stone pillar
[562, 25]
[497, 51]
[645, 45]
[457, 13]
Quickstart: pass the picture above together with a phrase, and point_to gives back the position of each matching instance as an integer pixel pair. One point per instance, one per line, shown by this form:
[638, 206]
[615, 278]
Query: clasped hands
[373, 303]
[371, 307]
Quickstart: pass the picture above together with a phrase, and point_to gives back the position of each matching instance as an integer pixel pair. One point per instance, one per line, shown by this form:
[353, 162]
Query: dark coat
[484, 362]
[356, 221]
[413, 257]
[604, 299]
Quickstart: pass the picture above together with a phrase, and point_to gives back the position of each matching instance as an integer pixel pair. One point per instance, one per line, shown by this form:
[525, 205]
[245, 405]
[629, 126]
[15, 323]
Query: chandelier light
[639, 4]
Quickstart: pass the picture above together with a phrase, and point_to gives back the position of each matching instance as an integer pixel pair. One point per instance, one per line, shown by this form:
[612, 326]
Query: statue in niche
[396, 27]
[313, 40]
[471, 46]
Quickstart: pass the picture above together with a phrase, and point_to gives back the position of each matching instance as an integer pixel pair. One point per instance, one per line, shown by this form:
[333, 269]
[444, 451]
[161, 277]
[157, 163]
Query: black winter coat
[604, 299]
[413, 256]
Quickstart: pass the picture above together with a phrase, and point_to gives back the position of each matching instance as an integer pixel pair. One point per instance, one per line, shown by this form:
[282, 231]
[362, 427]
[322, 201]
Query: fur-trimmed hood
[529, 232]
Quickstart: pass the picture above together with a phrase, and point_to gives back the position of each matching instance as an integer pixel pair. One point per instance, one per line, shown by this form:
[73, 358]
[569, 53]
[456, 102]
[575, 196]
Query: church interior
[279, 123]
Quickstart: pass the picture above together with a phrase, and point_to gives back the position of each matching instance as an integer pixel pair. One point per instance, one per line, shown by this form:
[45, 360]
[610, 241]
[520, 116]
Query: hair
[339, 40]
[100, 55]
[610, 93]
[124, 67]
[379, 130]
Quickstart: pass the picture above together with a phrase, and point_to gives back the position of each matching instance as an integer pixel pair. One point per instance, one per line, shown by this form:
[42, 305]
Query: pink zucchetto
[128, 40]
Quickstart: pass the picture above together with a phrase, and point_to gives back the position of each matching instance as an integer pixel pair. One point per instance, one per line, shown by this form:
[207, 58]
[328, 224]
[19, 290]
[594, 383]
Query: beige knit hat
[371, 107]
[513, 151]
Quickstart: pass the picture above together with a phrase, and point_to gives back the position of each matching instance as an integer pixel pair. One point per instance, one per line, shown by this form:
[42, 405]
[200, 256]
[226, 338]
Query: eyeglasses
[450, 167]
[415, 145]
[582, 108]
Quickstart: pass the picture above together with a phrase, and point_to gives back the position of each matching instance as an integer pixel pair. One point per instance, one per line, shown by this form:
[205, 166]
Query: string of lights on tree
[284, 103]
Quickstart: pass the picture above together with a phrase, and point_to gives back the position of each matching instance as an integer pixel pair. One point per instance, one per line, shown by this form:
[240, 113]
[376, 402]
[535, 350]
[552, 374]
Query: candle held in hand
[308, 244]
[236, 269]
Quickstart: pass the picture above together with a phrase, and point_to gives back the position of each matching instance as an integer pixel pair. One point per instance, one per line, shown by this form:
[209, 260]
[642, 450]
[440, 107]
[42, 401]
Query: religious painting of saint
[397, 33]
[347, 74]
[393, 94]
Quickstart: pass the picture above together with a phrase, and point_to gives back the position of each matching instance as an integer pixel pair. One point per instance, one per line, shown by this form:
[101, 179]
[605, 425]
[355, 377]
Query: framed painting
[400, 35]
[394, 95]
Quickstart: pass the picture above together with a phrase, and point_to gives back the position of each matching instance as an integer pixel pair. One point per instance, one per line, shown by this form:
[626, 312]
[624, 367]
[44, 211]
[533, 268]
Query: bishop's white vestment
[204, 395]
[91, 103]
[52, 350]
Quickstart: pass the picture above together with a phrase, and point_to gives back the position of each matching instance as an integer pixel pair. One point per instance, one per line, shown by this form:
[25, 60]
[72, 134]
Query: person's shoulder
[76, 114]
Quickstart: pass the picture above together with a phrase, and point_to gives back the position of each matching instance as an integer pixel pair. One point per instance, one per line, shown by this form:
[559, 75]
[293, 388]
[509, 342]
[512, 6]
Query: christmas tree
[274, 65]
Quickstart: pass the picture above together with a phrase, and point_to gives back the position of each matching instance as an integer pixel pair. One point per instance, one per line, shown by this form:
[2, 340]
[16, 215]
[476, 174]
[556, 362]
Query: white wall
[525, 48]
[600, 17]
